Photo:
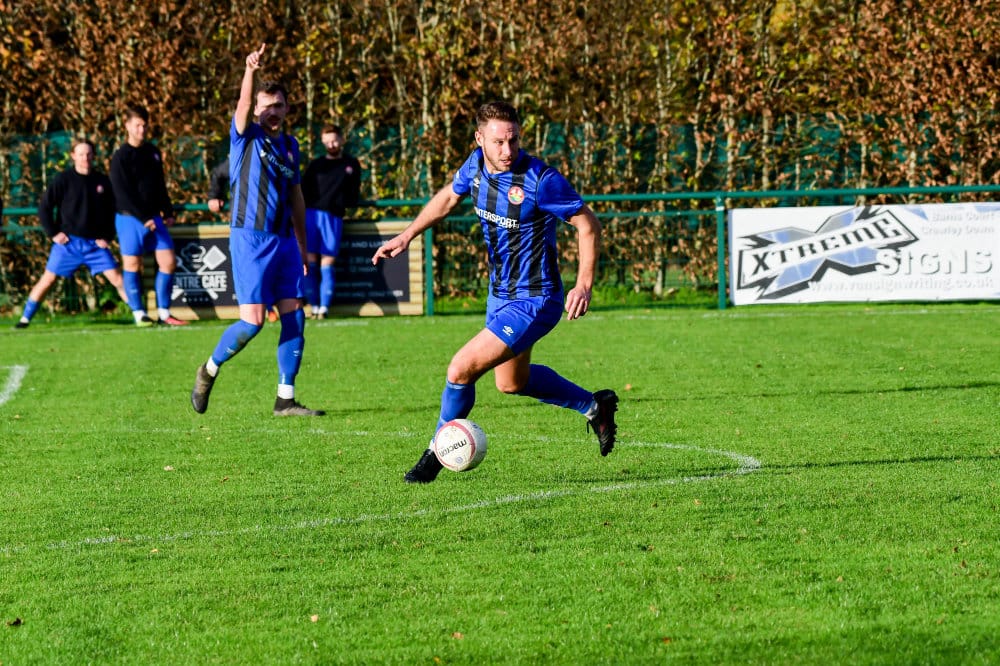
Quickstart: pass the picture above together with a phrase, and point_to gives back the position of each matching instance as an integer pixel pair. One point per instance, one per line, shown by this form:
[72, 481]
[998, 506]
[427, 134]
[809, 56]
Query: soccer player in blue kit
[519, 201]
[77, 212]
[145, 215]
[331, 184]
[267, 238]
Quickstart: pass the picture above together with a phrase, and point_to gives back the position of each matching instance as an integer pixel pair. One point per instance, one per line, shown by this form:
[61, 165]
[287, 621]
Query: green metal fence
[653, 244]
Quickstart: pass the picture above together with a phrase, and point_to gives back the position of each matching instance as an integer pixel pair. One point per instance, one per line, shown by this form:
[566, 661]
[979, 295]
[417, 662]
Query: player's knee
[459, 373]
[510, 386]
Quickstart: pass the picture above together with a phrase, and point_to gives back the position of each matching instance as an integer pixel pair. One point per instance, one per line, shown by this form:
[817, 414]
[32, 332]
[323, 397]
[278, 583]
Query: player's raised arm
[436, 210]
[244, 107]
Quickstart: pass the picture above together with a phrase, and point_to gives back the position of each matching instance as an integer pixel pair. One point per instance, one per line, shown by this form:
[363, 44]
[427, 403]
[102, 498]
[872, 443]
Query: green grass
[792, 485]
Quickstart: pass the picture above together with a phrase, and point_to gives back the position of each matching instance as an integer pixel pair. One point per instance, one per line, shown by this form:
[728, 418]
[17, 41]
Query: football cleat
[22, 324]
[144, 322]
[603, 422]
[426, 469]
[288, 407]
[173, 321]
[202, 389]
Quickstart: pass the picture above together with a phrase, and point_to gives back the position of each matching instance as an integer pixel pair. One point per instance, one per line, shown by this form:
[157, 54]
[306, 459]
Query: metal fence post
[720, 234]
[428, 273]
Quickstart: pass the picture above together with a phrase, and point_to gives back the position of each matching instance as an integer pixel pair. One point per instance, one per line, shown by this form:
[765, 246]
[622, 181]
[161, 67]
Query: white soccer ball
[460, 445]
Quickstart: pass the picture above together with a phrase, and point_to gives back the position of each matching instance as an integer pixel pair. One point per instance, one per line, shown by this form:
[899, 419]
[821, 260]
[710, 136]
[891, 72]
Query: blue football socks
[457, 401]
[30, 307]
[312, 284]
[326, 287]
[164, 285]
[133, 289]
[290, 346]
[233, 340]
[548, 386]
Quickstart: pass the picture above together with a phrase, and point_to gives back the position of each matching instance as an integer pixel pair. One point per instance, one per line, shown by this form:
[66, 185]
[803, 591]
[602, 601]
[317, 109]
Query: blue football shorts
[65, 259]
[522, 322]
[266, 268]
[135, 240]
[323, 232]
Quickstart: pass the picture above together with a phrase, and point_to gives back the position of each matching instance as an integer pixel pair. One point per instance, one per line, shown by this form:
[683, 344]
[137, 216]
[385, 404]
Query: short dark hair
[496, 111]
[273, 88]
[331, 129]
[136, 111]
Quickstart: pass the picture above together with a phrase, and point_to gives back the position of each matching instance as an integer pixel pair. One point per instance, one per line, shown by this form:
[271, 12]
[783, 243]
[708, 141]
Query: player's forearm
[433, 212]
[589, 245]
[587, 265]
[245, 104]
[299, 218]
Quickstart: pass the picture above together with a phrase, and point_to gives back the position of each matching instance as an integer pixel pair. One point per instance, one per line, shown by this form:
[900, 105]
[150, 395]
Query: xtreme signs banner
[873, 253]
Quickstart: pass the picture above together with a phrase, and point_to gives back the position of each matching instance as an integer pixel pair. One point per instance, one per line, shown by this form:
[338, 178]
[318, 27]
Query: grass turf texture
[135, 531]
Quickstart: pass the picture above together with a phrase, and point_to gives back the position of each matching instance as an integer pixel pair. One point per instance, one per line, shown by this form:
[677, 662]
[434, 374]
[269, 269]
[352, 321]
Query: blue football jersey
[519, 211]
[262, 170]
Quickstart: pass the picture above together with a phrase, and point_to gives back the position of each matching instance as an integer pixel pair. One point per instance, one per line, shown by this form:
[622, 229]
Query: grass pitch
[791, 485]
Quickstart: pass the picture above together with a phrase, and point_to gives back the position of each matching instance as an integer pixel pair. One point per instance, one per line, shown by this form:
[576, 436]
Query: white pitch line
[104, 329]
[794, 313]
[13, 383]
[746, 465]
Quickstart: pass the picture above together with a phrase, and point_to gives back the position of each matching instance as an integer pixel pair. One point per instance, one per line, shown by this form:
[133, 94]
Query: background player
[266, 238]
[144, 215]
[331, 184]
[218, 186]
[77, 211]
[519, 200]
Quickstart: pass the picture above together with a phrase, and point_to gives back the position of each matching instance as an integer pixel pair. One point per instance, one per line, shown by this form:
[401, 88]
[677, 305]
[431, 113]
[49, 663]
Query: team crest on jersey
[349, 170]
[515, 195]
[100, 189]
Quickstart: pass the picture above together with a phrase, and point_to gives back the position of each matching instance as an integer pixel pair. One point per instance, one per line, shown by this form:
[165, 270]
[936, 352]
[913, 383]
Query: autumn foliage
[624, 96]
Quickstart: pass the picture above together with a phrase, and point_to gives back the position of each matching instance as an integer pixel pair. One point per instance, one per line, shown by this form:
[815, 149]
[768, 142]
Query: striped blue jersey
[519, 211]
[262, 170]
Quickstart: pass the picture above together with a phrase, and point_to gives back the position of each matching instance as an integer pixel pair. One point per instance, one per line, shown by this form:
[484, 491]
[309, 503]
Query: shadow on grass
[882, 462]
[848, 391]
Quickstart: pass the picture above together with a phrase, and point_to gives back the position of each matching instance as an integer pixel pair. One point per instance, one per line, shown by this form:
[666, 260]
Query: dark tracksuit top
[139, 183]
[79, 205]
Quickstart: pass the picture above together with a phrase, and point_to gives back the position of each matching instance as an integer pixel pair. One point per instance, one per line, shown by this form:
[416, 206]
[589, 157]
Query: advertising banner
[203, 281]
[925, 252]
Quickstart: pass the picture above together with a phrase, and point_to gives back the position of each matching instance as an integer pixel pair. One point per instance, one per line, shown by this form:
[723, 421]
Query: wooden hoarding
[204, 289]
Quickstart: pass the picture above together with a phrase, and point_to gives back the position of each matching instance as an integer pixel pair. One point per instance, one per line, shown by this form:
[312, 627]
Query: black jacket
[79, 205]
[140, 187]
